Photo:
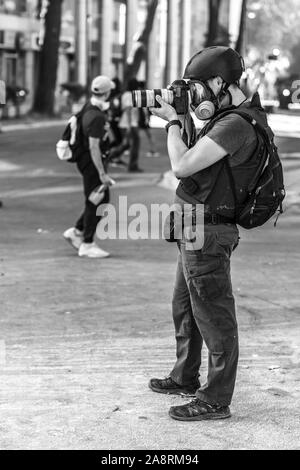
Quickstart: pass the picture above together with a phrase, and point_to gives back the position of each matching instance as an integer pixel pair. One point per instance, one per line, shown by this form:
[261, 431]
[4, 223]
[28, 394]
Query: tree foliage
[277, 24]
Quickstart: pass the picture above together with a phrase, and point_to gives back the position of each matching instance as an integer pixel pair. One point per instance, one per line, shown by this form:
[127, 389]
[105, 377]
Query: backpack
[70, 146]
[266, 191]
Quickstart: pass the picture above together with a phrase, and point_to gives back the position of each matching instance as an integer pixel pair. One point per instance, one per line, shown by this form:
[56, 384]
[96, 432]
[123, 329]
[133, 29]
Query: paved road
[83, 337]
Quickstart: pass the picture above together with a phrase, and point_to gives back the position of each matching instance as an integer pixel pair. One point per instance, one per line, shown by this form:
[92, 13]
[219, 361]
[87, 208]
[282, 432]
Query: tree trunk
[213, 23]
[139, 49]
[240, 42]
[48, 63]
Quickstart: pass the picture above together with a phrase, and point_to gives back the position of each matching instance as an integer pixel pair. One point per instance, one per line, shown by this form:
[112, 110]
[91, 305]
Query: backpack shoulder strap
[266, 131]
[229, 111]
[214, 120]
[82, 111]
[232, 183]
[267, 135]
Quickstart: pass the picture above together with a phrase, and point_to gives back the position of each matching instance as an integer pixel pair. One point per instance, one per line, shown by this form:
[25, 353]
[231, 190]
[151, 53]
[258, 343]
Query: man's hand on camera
[166, 111]
[106, 179]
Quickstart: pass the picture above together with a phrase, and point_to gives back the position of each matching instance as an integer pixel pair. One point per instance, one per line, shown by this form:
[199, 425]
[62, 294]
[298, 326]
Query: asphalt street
[79, 339]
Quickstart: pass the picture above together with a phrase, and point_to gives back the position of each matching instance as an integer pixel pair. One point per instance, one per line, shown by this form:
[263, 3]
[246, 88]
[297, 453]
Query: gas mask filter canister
[203, 103]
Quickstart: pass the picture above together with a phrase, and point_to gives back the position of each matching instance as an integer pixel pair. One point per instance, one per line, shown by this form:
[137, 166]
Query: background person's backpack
[70, 146]
[266, 192]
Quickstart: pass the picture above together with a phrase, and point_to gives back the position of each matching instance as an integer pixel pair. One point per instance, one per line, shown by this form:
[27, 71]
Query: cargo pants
[204, 310]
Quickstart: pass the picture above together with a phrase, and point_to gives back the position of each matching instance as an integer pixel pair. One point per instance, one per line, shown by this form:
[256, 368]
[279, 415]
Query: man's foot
[197, 410]
[91, 250]
[74, 237]
[169, 387]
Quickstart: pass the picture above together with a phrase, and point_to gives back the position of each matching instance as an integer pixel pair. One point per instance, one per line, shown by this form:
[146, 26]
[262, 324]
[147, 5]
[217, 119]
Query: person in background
[115, 114]
[144, 124]
[129, 125]
[92, 166]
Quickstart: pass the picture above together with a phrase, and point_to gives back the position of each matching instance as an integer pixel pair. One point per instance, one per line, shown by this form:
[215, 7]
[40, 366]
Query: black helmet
[215, 61]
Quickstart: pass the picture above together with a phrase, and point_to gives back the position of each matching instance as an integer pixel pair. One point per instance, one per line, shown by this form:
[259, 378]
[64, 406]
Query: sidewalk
[28, 123]
[284, 125]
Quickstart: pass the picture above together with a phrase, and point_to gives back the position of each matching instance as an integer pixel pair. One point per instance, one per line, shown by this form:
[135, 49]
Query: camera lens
[147, 98]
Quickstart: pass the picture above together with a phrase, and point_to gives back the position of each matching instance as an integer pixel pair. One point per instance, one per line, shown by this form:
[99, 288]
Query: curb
[31, 125]
[156, 123]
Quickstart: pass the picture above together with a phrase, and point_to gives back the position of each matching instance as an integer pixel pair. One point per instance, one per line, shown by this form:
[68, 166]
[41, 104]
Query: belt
[216, 219]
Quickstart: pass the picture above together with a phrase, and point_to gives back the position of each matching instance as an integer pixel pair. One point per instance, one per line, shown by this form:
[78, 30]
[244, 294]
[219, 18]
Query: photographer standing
[203, 302]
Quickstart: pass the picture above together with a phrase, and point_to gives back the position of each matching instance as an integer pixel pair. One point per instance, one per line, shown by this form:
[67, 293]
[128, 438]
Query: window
[11, 70]
[14, 69]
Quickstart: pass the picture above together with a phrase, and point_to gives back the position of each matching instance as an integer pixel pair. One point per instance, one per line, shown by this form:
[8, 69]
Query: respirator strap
[224, 91]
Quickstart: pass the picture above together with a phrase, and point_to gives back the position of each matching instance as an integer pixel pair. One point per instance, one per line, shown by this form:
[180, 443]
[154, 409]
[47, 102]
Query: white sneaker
[91, 250]
[74, 237]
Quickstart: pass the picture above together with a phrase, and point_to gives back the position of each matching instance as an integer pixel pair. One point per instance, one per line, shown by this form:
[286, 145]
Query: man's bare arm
[186, 162]
[94, 146]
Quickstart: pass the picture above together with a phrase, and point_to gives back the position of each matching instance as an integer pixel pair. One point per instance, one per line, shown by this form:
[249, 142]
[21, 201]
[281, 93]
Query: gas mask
[100, 102]
[203, 101]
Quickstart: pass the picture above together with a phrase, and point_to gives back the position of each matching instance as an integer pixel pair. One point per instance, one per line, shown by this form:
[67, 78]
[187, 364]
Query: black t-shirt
[94, 122]
[237, 137]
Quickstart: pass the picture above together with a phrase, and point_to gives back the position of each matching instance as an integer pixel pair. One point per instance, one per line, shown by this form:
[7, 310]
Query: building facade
[21, 36]
[19, 32]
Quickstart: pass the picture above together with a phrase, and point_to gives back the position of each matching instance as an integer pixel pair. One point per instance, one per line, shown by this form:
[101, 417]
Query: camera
[176, 95]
